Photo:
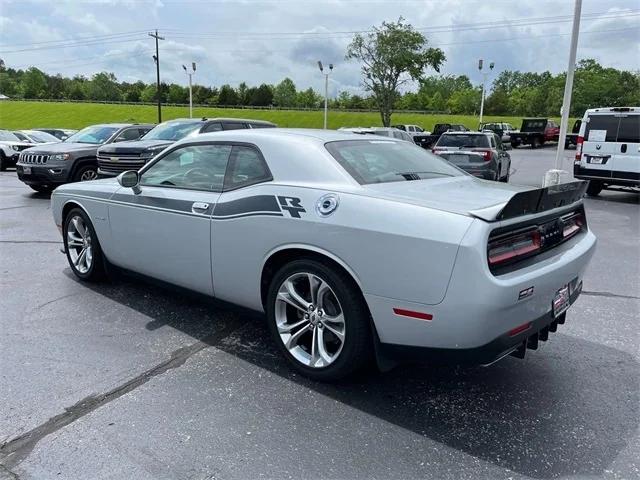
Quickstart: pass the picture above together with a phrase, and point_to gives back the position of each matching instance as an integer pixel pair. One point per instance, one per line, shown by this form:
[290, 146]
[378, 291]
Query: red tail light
[486, 154]
[572, 225]
[507, 249]
[579, 149]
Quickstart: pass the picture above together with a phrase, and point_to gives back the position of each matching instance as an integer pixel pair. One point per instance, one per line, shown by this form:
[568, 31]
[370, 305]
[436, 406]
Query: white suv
[608, 148]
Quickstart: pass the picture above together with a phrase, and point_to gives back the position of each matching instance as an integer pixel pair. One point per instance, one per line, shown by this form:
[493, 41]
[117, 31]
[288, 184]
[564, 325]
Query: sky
[264, 41]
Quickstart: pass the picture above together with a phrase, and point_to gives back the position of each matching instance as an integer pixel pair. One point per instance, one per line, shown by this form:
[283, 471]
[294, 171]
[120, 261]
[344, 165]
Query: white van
[608, 148]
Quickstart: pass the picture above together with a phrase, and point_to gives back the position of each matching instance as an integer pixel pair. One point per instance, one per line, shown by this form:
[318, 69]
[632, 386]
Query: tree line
[512, 93]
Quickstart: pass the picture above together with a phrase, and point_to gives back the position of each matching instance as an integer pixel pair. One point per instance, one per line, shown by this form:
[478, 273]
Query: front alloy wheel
[82, 246]
[310, 320]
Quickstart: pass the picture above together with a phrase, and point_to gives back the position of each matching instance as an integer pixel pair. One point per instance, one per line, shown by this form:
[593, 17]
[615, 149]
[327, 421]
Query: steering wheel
[196, 171]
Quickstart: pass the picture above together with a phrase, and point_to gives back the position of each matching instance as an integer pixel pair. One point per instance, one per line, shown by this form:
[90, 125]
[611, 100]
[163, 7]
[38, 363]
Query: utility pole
[190, 74]
[156, 58]
[484, 85]
[326, 88]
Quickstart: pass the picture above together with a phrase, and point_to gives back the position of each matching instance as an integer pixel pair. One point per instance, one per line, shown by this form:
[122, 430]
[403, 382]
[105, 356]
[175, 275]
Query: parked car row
[106, 150]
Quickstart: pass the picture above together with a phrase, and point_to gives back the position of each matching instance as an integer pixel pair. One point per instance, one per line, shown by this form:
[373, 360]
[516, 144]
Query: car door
[165, 230]
[599, 144]
[625, 155]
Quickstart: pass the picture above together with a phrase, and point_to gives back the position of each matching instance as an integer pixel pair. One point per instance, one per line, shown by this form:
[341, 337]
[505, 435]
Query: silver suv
[482, 154]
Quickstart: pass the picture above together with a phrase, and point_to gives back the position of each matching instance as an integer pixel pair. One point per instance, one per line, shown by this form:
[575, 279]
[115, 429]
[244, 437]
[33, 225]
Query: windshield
[8, 136]
[470, 141]
[172, 130]
[382, 161]
[41, 137]
[95, 135]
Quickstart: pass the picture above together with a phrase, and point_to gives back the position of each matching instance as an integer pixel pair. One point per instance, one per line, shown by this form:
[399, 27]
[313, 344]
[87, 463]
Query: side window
[128, 134]
[246, 167]
[234, 126]
[195, 167]
[260, 125]
[629, 130]
[493, 141]
[212, 127]
[412, 128]
[143, 131]
[419, 129]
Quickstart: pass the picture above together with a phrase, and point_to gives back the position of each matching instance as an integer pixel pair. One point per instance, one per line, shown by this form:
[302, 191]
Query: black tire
[594, 188]
[535, 143]
[85, 171]
[505, 179]
[42, 188]
[96, 271]
[515, 143]
[357, 348]
[3, 162]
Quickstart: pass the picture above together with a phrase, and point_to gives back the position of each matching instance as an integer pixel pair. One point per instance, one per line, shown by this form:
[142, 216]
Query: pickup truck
[412, 130]
[428, 141]
[535, 132]
[572, 138]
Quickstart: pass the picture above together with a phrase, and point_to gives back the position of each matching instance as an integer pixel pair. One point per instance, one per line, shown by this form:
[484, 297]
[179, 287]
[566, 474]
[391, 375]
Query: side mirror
[130, 179]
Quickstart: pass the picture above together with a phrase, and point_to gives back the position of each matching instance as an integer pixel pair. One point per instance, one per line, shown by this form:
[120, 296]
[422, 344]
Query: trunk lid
[487, 200]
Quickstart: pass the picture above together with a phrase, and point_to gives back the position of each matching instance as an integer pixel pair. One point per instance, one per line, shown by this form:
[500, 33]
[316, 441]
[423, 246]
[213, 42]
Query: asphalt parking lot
[132, 380]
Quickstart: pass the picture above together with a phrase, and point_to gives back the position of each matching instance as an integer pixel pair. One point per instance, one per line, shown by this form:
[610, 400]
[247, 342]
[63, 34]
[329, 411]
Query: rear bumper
[43, 174]
[486, 171]
[479, 309]
[536, 331]
[610, 177]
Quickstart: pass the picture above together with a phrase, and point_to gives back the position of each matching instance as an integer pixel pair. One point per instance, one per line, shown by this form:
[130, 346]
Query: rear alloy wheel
[82, 246]
[319, 320]
[86, 173]
[594, 188]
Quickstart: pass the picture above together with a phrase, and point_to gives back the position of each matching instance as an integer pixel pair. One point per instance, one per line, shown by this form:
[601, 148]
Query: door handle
[199, 207]
[623, 148]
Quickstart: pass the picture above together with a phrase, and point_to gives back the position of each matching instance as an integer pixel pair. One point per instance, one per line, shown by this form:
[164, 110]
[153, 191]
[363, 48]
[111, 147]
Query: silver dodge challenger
[358, 250]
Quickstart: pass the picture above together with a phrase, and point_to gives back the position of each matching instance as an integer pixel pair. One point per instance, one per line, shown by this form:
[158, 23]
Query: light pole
[484, 84]
[326, 88]
[190, 74]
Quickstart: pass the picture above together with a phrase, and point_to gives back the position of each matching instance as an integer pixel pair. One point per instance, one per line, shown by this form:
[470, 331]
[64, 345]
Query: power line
[75, 39]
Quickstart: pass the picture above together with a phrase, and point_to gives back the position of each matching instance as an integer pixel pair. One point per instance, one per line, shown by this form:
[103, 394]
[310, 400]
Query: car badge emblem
[115, 159]
[598, 146]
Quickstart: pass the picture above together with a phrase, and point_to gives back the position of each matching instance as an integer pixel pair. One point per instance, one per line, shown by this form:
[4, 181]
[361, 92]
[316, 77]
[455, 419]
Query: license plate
[26, 170]
[596, 160]
[561, 301]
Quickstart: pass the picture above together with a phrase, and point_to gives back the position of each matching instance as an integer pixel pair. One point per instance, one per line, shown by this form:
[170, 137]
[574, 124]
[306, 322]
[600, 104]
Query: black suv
[115, 159]
[46, 166]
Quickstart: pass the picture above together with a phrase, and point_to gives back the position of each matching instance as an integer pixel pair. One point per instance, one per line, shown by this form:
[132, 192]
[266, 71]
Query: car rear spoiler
[534, 201]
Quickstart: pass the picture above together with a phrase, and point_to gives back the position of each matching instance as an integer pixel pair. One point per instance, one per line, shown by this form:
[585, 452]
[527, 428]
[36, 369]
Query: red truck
[535, 132]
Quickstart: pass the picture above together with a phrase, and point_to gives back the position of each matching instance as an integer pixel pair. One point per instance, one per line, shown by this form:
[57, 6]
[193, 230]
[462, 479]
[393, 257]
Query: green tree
[243, 97]
[103, 86]
[391, 56]
[284, 94]
[33, 84]
[261, 96]
[8, 86]
[227, 96]
[308, 99]
[177, 94]
[148, 95]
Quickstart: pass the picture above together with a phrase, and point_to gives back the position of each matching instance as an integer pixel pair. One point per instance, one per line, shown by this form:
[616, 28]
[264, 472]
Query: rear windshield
[534, 125]
[612, 128]
[463, 141]
[172, 130]
[382, 161]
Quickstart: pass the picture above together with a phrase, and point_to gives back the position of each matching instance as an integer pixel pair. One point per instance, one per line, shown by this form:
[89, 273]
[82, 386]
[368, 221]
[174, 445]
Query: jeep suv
[115, 159]
[45, 167]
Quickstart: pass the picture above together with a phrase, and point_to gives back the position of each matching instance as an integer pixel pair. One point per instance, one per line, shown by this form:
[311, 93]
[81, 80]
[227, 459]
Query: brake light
[572, 225]
[507, 249]
[579, 149]
[486, 154]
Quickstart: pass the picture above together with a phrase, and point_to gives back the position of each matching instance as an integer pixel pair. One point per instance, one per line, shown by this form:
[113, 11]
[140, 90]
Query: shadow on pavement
[542, 417]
